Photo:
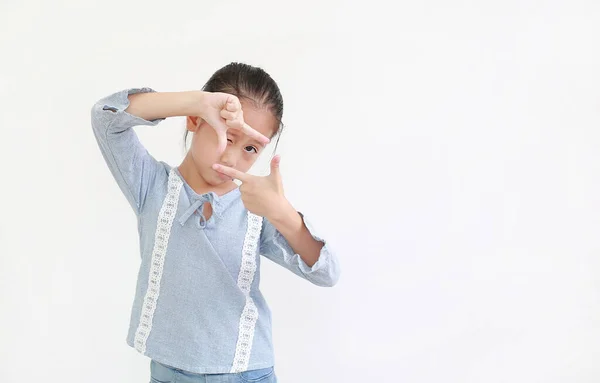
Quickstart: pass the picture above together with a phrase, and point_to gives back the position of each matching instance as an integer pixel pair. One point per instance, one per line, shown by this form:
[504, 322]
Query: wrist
[283, 214]
[199, 103]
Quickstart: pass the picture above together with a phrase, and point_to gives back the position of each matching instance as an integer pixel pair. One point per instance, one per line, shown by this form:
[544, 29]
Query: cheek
[206, 135]
[203, 149]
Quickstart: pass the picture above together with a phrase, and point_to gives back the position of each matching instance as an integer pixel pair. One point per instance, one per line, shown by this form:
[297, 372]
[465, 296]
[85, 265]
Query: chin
[213, 181]
[217, 182]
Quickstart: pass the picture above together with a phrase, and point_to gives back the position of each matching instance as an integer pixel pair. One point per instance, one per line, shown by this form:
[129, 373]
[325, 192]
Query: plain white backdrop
[449, 150]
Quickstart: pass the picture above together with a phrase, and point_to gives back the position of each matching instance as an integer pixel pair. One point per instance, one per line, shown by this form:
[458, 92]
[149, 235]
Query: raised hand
[223, 111]
[261, 195]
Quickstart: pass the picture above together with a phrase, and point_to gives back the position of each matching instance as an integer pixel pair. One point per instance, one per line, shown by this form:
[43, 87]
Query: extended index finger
[250, 132]
[231, 172]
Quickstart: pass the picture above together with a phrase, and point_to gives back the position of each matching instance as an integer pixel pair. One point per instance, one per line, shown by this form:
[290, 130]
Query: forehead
[260, 119]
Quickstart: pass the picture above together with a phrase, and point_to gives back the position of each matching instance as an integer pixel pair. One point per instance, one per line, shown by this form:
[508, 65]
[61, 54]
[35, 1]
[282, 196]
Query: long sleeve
[325, 272]
[131, 165]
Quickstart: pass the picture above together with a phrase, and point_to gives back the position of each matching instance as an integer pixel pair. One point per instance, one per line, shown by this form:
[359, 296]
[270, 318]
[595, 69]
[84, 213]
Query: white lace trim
[250, 313]
[161, 240]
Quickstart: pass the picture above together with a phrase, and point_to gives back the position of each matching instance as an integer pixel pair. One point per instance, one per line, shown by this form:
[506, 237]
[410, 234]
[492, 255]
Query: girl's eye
[228, 140]
[251, 148]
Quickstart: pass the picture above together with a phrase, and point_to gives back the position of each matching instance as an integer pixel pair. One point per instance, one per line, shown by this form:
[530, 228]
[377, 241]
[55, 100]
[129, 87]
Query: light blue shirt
[198, 306]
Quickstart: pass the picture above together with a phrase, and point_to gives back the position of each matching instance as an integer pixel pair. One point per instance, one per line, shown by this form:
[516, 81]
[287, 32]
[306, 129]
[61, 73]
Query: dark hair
[251, 83]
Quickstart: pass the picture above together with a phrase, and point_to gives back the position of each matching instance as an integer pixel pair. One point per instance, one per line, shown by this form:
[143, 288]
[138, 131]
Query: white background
[449, 150]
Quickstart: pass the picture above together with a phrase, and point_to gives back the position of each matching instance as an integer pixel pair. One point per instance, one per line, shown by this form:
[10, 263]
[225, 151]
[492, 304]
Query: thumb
[222, 140]
[275, 161]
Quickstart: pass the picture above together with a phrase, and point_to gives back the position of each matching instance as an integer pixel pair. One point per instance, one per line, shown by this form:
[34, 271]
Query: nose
[229, 157]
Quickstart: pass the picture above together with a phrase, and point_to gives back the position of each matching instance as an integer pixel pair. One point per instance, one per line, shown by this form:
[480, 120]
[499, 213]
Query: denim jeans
[160, 373]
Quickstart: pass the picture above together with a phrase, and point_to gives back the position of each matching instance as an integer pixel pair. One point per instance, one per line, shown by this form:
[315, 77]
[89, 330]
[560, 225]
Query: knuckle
[232, 123]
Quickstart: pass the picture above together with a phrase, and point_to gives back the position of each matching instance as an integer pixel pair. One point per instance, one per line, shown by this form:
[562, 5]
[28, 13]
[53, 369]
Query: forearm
[291, 225]
[154, 105]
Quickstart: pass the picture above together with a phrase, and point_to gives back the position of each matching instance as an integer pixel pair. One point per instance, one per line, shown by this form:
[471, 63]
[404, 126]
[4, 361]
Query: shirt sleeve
[131, 165]
[273, 245]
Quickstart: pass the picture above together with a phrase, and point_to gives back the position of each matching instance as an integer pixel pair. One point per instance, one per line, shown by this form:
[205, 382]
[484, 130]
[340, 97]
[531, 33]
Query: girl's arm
[222, 111]
[152, 106]
[291, 225]
[134, 169]
[286, 238]
[131, 165]
[285, 250]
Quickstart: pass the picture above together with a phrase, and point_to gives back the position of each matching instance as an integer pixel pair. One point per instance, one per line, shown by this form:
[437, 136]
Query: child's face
[241, 152]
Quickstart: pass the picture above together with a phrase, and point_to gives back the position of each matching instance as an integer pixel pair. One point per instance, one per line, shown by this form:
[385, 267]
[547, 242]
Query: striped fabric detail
[246, 276]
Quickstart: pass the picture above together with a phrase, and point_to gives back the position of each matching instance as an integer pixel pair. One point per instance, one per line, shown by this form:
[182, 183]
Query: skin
[229, 135]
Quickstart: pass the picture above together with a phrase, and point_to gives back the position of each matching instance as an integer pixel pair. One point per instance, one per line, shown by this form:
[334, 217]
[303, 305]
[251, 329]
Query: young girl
[198, 312]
